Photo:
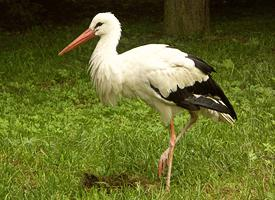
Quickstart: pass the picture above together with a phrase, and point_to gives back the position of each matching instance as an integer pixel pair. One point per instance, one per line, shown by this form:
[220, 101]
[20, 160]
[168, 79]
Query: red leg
[171, 153]
[163, 161]
[166, 155]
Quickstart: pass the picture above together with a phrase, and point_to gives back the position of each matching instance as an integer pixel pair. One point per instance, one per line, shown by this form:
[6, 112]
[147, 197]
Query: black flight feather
[206, 102]
[196, 96]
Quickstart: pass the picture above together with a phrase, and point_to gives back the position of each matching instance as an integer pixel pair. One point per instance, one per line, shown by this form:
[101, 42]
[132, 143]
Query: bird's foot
[163, 162]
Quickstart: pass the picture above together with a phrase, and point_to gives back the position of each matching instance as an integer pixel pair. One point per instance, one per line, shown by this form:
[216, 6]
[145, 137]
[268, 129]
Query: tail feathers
[217, 116]
[226, 118]
[223, 99]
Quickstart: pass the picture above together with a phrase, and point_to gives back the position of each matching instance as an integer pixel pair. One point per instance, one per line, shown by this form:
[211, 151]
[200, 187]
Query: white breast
[106, 78]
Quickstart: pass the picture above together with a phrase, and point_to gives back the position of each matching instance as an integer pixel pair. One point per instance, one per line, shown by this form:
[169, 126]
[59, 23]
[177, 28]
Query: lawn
[54, 130]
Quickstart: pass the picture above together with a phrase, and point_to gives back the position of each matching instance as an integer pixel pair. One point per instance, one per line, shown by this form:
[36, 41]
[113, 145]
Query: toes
[161, 167]
[163, 161]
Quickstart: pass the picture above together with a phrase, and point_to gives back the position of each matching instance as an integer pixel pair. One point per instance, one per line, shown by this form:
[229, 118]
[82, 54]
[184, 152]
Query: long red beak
[84, 37]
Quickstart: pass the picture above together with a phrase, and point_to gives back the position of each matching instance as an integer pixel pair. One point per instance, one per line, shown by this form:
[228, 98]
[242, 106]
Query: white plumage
[167, 79]
[161, 66]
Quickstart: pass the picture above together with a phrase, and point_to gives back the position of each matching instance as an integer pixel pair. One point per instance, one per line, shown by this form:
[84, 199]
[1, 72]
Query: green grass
[53, 128]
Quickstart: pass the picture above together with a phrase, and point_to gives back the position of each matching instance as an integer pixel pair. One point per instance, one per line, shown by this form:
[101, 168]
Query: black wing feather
[188, 97]
[201, 65]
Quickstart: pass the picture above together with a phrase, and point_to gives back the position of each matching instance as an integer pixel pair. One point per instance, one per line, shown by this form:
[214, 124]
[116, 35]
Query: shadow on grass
[119, 181]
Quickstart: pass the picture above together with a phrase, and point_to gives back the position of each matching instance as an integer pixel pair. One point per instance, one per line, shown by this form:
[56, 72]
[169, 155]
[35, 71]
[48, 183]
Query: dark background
[18, 15]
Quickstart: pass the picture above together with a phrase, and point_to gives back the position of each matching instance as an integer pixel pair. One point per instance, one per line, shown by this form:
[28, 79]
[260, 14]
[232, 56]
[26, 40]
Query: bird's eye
[98, 24]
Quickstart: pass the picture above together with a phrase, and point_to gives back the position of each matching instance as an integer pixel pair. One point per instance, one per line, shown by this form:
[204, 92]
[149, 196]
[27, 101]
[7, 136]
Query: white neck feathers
[104, 69]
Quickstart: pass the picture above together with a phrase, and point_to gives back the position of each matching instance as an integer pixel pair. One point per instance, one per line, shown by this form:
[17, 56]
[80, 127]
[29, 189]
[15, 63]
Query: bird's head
[103, 24]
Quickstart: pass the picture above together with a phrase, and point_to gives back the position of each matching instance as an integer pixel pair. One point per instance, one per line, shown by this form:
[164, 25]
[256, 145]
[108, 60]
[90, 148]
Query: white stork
[166, 78]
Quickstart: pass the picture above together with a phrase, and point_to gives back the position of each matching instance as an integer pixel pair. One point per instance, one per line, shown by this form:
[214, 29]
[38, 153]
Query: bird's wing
[177, 77]
[166, 68]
